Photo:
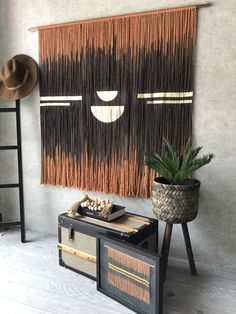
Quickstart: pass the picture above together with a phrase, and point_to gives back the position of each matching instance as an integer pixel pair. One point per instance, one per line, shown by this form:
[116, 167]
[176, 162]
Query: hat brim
[25, 89]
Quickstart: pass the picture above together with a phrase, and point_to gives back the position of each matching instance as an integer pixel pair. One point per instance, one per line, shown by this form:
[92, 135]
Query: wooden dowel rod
[75, 252]
[107, 224]
[198, 6]
[140, 221]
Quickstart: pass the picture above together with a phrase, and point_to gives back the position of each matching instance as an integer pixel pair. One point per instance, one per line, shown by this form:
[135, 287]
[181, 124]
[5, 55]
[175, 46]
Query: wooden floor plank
[31, 281]
[12, 307]
[182, 307]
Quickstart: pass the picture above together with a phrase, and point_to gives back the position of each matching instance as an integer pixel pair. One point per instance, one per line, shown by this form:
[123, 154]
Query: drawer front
[78, 250]
[85, 245]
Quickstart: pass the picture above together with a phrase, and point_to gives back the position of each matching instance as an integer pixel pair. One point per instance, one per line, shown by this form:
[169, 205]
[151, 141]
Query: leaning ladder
[18, 185]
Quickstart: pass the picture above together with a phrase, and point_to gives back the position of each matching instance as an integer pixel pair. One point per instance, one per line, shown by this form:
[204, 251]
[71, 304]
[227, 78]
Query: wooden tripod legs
[166, 247]
[189, 249]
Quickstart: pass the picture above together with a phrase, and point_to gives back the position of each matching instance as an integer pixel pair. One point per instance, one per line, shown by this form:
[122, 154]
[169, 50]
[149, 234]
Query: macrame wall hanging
[110, 90]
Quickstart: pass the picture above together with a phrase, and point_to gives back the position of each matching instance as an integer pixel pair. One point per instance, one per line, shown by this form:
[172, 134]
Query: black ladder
[19, 185]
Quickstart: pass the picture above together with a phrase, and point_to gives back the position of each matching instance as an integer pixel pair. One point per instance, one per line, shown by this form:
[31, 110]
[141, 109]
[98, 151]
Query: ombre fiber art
[129, 274]
[110, 90]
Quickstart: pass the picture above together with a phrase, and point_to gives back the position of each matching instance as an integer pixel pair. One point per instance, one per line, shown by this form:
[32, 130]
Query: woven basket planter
[175, 203]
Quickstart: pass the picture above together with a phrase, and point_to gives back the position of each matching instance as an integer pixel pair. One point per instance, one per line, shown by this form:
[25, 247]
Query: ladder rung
[9, 223]
[7, 109]
[8, 147]
[12, 185]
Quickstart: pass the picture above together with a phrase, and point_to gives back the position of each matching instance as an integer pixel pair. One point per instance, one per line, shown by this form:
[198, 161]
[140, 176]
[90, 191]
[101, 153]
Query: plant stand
[166, 247]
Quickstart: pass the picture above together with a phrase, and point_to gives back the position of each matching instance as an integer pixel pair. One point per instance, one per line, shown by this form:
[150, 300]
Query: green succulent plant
[176, 168]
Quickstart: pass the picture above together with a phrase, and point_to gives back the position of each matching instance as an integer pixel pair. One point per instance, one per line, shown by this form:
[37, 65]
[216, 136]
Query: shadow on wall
[212, 232]
[6, 30]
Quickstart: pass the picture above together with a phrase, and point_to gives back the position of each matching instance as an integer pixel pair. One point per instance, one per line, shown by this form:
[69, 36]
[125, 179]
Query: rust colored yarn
[146, 53]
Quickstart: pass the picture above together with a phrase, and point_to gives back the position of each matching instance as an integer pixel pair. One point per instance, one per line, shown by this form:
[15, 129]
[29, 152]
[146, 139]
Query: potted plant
[175, 194]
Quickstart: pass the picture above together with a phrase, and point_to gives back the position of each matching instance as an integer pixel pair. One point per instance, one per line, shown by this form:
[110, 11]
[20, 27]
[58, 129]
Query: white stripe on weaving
[46, 104]
[183, 101]
[58, 98]
[107, 95]
[166, 94]
[107, 114]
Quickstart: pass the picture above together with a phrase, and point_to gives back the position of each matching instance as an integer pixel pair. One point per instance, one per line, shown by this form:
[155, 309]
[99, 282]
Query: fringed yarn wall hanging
[130, 275]
[110, 90]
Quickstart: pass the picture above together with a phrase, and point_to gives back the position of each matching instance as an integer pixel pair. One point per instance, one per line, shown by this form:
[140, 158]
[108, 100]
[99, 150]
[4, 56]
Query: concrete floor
[31, 281]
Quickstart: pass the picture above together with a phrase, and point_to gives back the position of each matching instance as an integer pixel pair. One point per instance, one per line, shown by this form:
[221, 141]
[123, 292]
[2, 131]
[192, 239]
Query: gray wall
[213, 232]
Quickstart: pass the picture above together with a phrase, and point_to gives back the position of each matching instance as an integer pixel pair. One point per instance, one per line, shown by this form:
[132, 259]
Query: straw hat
[18, 77]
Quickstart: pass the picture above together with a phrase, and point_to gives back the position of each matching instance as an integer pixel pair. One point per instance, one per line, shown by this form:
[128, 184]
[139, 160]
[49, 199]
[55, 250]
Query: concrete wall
[213, 232]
